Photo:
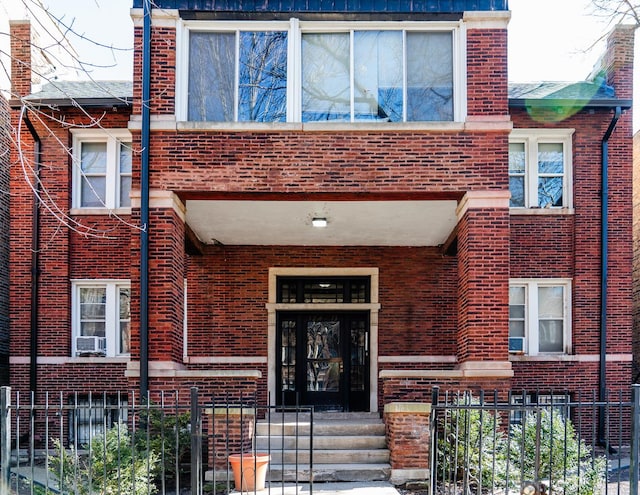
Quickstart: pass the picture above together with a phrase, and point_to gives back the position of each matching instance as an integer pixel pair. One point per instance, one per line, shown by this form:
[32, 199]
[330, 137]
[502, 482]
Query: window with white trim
[540, 316]
[540, 170]
[317, 72]
[102, 162]
[101, 318]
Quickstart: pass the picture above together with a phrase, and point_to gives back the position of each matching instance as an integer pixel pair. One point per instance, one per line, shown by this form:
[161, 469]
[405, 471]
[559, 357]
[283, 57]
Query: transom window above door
[319, 72]
[325, 290]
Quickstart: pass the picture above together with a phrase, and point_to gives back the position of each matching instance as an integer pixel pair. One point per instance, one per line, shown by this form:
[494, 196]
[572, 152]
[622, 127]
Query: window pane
[93, 192]
[550, 338]
[92, 302]
[211, 76]
[92, 328]
[551, 302]
[93, 158]
[550, 158]
[125, 158]
[516, 295]
[429, 76]
[516, 158]
[263, 77]
[516, 329]
[549, 192]
[378, 75]
[325, 77]
[516, 187]
[125, 191]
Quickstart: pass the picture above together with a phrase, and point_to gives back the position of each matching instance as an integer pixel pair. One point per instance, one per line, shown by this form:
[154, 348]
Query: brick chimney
[616, 64]
[20, 33]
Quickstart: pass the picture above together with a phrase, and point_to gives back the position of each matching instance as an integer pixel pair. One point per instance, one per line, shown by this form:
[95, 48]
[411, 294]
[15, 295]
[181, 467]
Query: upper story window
[540, 171]
[101, 318]
[102, 164]
[539, 316]
[314, 72]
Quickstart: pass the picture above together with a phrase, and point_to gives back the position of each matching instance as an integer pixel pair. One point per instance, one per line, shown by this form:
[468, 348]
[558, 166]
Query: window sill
[100, 359]
[100, 211]
[544, 357]
[542, 211]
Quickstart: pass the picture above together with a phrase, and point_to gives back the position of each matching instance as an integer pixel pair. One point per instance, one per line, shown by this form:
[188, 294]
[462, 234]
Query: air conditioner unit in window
[91, 345]
[516, 344]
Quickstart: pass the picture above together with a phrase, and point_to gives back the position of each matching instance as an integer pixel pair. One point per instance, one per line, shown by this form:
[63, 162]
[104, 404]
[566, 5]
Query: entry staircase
[346, 447]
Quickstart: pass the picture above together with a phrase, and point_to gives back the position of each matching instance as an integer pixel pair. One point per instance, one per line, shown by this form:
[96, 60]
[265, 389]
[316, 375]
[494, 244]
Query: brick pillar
[483, 284]
[166, 280]
[408, 440]
[20, 34]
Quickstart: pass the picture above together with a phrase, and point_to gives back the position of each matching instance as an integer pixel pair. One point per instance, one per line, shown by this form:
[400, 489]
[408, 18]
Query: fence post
[635, 439]
[5, 440]
[196, 445]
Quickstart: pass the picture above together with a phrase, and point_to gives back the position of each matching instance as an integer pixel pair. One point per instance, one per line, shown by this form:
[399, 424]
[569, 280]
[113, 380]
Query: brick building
[345, 205]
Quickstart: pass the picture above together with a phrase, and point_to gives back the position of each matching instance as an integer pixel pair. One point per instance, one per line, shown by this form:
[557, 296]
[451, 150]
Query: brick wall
[5, 141]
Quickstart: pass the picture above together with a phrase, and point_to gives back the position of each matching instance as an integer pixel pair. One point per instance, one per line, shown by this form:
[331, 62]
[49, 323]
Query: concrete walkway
[346, 488]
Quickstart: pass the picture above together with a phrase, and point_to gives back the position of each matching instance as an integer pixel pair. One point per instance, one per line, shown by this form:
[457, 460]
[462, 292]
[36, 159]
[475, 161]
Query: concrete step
[374, 456]
[321, 428]
[330, 472]
[343, 442]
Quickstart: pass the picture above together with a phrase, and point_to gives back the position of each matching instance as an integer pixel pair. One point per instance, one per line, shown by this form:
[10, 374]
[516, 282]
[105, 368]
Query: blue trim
[368, 6]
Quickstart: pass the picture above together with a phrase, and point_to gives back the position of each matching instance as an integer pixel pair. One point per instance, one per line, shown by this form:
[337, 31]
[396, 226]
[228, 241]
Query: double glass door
[324, 360]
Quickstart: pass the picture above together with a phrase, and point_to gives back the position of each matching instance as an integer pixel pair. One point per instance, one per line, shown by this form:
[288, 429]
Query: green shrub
[113, 466]
[565, 462]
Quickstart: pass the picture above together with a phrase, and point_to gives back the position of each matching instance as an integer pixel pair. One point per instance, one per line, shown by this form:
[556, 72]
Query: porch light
[319, 222]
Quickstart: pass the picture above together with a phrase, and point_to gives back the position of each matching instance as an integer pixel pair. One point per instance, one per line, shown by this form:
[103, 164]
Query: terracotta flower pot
[249, 471]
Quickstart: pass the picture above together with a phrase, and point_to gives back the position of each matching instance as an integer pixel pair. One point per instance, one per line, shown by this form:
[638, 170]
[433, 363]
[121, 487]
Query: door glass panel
[324, 360]
[359, 344]
[288, 355]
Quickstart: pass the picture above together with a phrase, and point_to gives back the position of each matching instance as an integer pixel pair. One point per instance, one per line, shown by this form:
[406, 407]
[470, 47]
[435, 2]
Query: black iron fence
[534, 443]
[166, 444]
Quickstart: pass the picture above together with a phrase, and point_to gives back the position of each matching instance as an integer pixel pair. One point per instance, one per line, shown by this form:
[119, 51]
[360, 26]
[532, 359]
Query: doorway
[323, 359]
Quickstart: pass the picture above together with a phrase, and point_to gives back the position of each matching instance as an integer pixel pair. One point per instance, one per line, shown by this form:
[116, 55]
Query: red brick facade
[443, 316]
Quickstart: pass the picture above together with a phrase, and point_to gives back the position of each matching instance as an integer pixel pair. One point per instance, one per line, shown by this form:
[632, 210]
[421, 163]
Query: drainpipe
[604, 274]
[144, 201]
[35, 259]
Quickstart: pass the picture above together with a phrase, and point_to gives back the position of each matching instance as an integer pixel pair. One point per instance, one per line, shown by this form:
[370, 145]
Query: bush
[114, 465]
[474, 449]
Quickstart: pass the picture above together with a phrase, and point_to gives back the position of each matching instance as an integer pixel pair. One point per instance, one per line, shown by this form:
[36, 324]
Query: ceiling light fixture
[319, 222]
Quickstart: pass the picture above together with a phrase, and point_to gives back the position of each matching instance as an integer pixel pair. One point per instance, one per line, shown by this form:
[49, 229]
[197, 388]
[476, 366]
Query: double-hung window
[317, 72]
[539, 316]
[540, 168]
[101, 318]
[102, 164]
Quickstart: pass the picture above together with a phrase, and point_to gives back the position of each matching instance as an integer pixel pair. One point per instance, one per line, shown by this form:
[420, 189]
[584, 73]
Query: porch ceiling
[349, 223]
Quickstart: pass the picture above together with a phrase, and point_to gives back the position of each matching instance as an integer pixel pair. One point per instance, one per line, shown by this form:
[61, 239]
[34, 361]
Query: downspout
[604, 271]
[144, 201]
[35, 259]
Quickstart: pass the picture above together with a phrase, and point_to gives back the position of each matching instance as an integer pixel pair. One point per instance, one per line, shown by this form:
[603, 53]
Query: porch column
[483, 285]
[166, 280]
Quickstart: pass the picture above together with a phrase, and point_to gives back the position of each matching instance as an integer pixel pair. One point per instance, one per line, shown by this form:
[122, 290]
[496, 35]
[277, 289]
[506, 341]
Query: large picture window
[315, 72]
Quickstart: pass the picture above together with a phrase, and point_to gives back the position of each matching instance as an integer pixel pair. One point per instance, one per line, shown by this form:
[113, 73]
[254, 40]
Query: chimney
[20, 34]
[616, 65]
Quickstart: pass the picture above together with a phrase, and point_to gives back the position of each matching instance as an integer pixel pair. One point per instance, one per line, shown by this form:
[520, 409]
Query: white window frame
[112, 312]
[113, 138]
[531, 337]
[531, 138]
[295, 28]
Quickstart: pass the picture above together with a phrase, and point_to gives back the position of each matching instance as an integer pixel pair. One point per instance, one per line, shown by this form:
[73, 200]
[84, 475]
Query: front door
[324, 360]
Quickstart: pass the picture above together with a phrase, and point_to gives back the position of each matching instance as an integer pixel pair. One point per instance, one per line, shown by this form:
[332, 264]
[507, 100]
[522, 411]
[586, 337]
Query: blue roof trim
[364, 6]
